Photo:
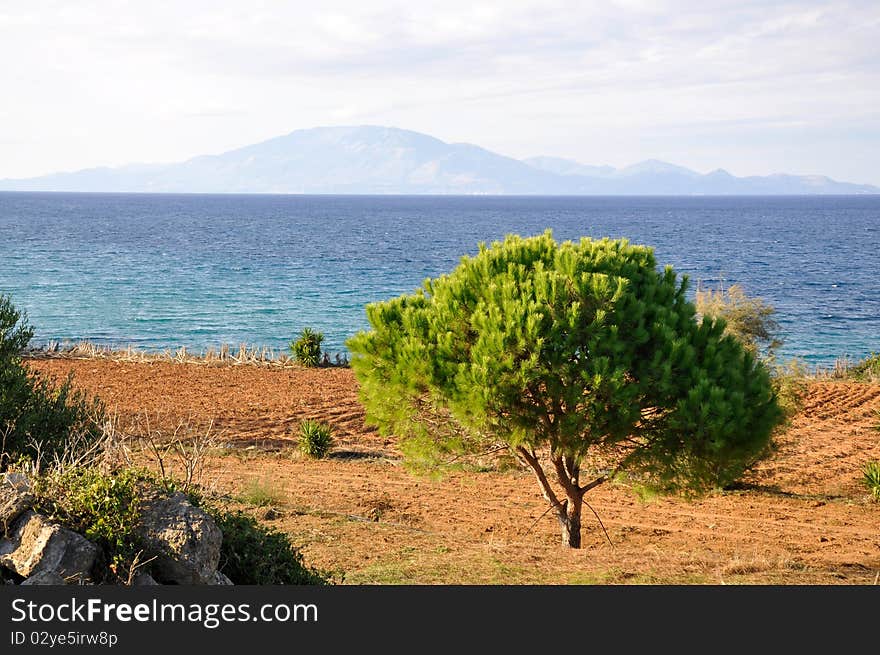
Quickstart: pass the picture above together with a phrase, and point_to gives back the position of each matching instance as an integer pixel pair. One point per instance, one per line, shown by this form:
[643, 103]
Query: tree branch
[532, 460]
[572, 468]
[595, 483]
[564, 479]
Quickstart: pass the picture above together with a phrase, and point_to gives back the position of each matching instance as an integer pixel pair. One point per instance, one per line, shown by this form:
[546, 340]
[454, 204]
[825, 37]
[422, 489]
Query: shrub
[258, 555]
[102, 507]
[871, 478]
[15, 333]
[790, 382]
[867, 369]
[749, 320]
[315, 438]
[105, 508]
[307, 348]
[37, 417]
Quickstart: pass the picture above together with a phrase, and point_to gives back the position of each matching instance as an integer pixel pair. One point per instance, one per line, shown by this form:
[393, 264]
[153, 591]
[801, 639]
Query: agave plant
[872, 479]
[307, 348]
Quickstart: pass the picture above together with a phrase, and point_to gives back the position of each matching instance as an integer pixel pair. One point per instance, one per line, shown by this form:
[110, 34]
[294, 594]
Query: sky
[752, 87]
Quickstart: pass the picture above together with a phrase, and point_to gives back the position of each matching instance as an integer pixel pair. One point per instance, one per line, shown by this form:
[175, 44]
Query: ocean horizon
[164, 271]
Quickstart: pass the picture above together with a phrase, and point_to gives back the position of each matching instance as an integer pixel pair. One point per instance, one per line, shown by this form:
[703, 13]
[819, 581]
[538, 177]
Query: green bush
[307, 348]
[15, 333]
[790, 382]
[315, 439]
[37, 417]
[871, 478]
[867, 369]
[102, 507]
[749, 320]
[105, 508]
[254, 554]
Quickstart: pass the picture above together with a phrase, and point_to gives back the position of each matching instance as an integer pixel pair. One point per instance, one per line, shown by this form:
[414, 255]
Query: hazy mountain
[384, 160]
[662, 178]
[568, 167]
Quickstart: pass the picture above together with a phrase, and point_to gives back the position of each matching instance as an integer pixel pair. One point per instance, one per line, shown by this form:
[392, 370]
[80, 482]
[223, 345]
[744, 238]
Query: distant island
[387, 160]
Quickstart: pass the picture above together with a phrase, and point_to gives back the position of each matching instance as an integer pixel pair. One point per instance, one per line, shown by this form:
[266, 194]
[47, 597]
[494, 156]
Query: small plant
[872, 479]
[307, 348]
[867, 369]
[253, 554]
[261, 493]
[315, 439]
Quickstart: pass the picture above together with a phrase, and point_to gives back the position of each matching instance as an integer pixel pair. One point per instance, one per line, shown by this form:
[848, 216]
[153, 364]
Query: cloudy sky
[753, 87]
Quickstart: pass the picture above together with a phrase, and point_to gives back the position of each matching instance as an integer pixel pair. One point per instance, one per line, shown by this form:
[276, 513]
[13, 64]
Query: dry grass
[225, 355]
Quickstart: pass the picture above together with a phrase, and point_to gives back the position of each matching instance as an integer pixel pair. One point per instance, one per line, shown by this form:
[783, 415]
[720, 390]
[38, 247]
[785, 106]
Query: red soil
[803, 516]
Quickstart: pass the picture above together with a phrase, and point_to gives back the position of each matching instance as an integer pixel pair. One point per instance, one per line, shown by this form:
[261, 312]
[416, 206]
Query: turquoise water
[164, 271]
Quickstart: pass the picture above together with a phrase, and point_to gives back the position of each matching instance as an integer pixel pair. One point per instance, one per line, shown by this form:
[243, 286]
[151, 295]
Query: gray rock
[220, 579]
[18, 481]
[144, 580]
[15, 498]
[44, 578]
[185, 540]
[37, 545]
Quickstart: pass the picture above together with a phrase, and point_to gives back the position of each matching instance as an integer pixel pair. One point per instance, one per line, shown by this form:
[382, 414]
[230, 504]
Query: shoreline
[225, 355]
[268, 357]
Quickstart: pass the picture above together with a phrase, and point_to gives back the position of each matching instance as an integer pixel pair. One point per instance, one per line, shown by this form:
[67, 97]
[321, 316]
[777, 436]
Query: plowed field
[802, 517]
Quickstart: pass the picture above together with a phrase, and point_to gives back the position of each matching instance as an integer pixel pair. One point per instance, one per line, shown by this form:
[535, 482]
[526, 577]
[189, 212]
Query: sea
[158, 271]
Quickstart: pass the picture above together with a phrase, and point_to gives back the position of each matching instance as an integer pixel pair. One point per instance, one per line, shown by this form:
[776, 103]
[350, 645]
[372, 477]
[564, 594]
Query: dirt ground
[803, 516]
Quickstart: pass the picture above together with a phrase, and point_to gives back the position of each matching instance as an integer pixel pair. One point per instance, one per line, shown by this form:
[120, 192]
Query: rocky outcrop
[15, 499]
[44, 578]
[185, 540]
[36, 545]
[220, 579]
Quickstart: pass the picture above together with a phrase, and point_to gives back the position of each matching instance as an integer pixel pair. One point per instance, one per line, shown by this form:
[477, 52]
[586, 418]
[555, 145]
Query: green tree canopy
[578, 356]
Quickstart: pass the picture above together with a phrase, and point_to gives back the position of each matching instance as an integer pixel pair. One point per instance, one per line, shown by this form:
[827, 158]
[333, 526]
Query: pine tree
[570, 354]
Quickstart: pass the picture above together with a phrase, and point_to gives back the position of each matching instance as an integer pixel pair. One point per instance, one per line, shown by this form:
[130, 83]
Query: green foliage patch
[307, 347]
[38, 418]
[255, 554]
[871, 479]
[102, 507]
[867, 369]
[315, 439]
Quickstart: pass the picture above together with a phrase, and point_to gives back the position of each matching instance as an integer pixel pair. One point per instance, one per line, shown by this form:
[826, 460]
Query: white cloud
[103, 82]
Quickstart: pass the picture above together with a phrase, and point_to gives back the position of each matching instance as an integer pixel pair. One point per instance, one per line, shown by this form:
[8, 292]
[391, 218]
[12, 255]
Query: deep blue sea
[164, 271]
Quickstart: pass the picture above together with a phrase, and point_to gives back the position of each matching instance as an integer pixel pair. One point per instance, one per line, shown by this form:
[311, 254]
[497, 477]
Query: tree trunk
[569, 516]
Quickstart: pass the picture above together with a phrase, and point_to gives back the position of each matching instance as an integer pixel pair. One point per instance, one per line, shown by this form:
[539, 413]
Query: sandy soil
[803, 516]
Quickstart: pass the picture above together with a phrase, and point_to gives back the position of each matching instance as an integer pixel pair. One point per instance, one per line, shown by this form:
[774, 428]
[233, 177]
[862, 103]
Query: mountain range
[387, 160]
